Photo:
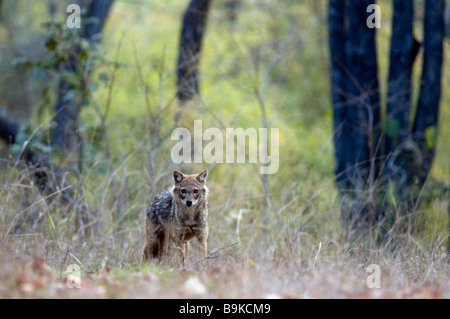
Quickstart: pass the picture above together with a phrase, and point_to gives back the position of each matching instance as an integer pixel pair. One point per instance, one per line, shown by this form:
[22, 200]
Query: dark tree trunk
[425, 126]
[410, 154]
[8, 129]
[99, 9]
[404, 49]
[356, 110]
[193, 29]
[362, 90]
[447, 20]
[337, 36]
[68, 109]
[406, 156]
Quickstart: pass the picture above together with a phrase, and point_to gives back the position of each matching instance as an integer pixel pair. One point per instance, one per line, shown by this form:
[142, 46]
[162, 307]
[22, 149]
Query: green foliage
[28, 141]
[393, 128]
[431, 136]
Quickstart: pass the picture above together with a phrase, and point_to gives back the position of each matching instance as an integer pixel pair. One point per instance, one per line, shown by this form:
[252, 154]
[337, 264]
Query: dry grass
[236, 277]
[306, 258]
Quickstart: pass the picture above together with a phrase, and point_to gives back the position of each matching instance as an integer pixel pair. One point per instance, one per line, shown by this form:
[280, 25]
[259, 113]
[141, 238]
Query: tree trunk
[99, 9]
[8, 129]
[68, 109]
[337, 36]
[425, 126]
[404, 49]
[356, 111]
[362, 91]
[193, 29]
[403, 52]
[410, 154]
[447, 20]
[407, 156]
[49, 177]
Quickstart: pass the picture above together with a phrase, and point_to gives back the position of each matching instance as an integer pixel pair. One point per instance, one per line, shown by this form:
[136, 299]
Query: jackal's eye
[195, 191]
[183, 191]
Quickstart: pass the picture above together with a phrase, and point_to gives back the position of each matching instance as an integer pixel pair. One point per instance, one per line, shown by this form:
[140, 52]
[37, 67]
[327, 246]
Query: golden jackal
[178, 215]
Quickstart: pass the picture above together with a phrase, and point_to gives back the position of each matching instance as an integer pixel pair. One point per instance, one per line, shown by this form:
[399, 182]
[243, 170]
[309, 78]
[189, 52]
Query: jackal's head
[190, 189]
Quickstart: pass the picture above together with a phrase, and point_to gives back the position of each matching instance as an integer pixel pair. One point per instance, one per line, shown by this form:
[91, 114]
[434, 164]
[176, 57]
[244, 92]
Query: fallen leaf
[43, 269]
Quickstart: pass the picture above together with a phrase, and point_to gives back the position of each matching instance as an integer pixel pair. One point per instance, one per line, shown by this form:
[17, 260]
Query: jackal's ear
[177, 176]
[202, 177]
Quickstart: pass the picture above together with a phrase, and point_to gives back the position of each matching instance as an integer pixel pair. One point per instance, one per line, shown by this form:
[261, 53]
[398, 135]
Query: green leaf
[51, 43]
[19, 60]
[22, 62]
[119, 64]
[21, 136]
[45, 148]
[49, 61]
[103, 77]
[431, 136]
[15, 149]
[393, 128]
[72, 79]
[70, 95]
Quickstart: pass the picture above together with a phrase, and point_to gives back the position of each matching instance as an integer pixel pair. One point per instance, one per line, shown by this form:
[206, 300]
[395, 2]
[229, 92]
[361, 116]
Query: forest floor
[231, 277]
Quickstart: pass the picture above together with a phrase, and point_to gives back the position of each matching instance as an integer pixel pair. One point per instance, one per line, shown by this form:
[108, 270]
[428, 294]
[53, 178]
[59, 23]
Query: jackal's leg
[154, 242]
[186, 249]
[181, 246]
[201, 233]
[147, 252]
[204, 246]
[161, 250]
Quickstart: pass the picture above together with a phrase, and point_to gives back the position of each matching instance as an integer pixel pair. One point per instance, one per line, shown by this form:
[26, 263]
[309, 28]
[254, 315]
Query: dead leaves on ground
[37, 279]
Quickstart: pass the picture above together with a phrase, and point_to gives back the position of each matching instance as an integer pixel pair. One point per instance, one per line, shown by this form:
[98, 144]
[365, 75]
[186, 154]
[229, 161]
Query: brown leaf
[26, 277]
[105, 274]
[43, 269]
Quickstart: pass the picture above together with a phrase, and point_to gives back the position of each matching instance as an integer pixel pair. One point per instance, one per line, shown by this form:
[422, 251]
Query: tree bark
[356, 111]
[425, 126]
[8, 128]
[192, 32]
[398, 153]
[99, 9]
[447, 20]
[337, 37]
[407, 155]
[362, 89]
[404, 49]
[68, 109]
